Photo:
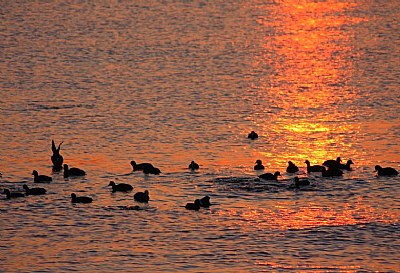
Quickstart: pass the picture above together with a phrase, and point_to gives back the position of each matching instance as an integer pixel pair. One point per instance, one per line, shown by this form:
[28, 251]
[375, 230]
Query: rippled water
[168, 82]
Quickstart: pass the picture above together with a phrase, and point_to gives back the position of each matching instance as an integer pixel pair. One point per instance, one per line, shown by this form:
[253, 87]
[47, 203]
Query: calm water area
[169, 82]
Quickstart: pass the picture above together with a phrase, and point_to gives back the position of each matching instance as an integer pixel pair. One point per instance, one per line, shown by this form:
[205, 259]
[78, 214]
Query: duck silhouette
[10, 195]
[313, 168]
[332, 163]
[331, 172]
[151, 170]
[292, 168]
[140, 166]
[73, 171]
[33, 191]
[80, 199]
[387, 171]
[56, 158]
[193, 206]
[259, 165]
[346, 166]
[120, 187]
[253, 135]
[41, 178]
[298, 183]
[270, 176]
[193, 166]
[142, 197]
[205, 202]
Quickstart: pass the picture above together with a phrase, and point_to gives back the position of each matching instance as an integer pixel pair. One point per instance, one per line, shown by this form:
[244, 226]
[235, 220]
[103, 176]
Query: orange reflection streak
[309, 50]
[284, 217]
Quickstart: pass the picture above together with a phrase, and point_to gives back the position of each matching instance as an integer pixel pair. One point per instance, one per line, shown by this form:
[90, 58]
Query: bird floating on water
[142, 197]
[10, 195]
[259, 165]
[41, 178]
[80, 199]
[56, 158]
[33, 191]
[387, 171]
[193, 166]
[253, 135]
[292, 168]
[73, 171]
[270, 176]
[313, 168]
[193, 206]
[123, 187]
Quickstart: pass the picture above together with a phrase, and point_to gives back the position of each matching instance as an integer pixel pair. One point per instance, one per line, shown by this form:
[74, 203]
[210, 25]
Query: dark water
[168, 82]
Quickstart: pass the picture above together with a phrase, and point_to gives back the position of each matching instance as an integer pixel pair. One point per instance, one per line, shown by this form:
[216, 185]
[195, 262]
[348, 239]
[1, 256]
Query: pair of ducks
[142, 197]
[199, 203]
[28, 191]
[67, 173]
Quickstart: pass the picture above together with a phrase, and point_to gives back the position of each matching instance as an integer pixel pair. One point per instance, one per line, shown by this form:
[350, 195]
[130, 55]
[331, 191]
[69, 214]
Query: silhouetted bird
[259, 165]
[41, 178]
[193, 166]
[120, 187]
[193, 206]
[141, 166]
[331, 172]
[313, 168]
[298, 182]
[332, 163]
[151, 170]
[253, 135]
[56, 158]
[346, 166]
[142, 197]
[270, 176]
[10, 195]
[205, 202]
[33, 191]
[73, 171]
[385, 171]
[80, 199]
[292, 168]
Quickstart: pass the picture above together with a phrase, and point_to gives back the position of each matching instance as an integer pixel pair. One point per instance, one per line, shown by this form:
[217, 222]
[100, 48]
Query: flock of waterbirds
[329, 168]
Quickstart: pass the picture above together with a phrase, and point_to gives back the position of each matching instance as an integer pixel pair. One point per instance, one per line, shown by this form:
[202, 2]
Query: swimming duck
[253, 135]
[313, 168]
[292, 168]
[10, 195]
[331, 172]
[205, 202]
[193, 206]
[151, 170]
[332, 163]
[385, 171]
[80, 199]
[73, 171]
[193, 166]
[56, 158]
[142, 197]
[141, 166]
[298, 182]
[259, 165]
[33, 191]
[270, 176]
[346, 166]
[41, 178]
[120, 187]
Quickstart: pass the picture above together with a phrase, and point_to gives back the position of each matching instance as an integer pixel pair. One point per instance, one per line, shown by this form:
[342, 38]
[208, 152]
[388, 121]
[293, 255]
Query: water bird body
[140, 166]
[346, 166]
[56, 158]
[10, 195]
[73, 171]
[205, 202]
[292, 168]
[300, 183]
[259, 165]
[193, 166]
[253, 135]
[270, 176]
[123, 187]
[385, 171]
[313, 168]
[332, 163]
[331, 172]
[41, 178]
[80, 199]
[142, 197]
[33, 191]
[151, 170]
[193, 206]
